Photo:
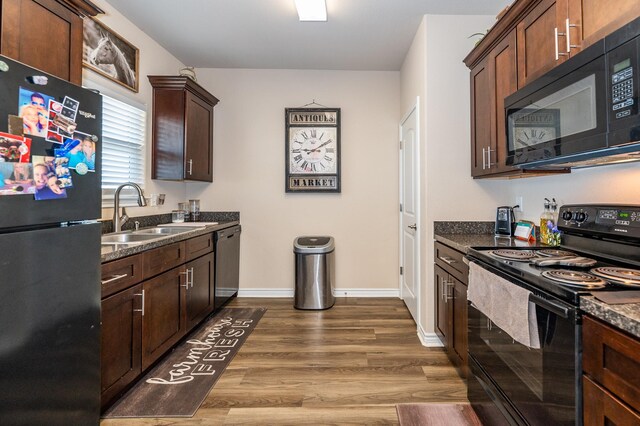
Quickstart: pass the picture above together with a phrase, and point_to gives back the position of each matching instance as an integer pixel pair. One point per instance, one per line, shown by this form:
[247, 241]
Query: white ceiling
[359, 34]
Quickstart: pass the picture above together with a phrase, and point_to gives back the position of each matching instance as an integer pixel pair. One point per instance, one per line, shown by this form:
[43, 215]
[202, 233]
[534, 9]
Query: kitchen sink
[127, 238]
[144, 235]
[165, 230]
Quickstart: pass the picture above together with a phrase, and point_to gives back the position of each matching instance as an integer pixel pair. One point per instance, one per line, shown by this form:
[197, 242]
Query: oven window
[565, 112]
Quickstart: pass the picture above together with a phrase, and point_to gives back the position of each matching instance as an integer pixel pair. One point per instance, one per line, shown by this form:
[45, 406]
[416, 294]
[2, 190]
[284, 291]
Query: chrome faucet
[118, 220]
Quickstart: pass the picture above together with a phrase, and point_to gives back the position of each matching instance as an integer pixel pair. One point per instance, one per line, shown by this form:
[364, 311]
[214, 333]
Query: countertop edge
[626, 316]
[129, 251]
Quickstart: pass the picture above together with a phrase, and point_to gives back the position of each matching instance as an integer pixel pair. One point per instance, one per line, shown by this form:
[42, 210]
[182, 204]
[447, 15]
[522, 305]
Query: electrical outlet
[520, 203]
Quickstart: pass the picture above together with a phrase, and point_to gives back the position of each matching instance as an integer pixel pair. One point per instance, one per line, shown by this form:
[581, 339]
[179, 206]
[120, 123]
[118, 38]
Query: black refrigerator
[50, 200]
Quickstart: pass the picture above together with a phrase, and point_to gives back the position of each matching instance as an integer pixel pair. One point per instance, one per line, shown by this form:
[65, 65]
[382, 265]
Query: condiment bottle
[545, 217]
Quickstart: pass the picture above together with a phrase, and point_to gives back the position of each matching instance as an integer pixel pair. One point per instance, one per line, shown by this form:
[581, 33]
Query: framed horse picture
[110, 55]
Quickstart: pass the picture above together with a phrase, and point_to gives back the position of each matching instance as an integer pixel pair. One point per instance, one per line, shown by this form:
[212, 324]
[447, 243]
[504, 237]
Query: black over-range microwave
[582, 113]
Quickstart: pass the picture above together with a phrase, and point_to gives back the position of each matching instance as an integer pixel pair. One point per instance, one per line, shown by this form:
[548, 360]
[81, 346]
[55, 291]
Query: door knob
[414, 227]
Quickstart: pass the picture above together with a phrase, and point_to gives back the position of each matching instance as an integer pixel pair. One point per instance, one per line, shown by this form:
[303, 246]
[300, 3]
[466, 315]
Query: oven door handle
[549, 305]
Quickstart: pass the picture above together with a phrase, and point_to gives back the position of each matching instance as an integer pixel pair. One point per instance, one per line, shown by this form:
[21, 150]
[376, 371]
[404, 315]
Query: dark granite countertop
[625, 316]
[113, 252]
[462, 242]
[463, 235]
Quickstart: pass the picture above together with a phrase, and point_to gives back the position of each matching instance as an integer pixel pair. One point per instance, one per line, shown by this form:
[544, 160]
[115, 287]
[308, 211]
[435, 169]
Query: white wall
[434, 70]
[154, 60]
[249, 168]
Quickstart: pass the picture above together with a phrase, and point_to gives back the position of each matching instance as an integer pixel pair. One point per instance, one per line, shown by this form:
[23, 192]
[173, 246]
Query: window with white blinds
[123, 151]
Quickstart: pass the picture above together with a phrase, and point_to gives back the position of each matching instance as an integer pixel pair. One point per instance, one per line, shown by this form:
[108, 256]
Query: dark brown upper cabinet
[531, 38]
[182, 129]
[46, 34]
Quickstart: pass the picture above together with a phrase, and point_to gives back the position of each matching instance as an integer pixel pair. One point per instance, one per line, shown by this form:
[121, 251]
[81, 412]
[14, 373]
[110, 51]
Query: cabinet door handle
[489, 157]
[569, 45]
[558, 53]
[484, 164]
[140, 310]
[449, 292]
[191, 282]
[186, 283]
[112, 279]
[414, 226]
[190, 166]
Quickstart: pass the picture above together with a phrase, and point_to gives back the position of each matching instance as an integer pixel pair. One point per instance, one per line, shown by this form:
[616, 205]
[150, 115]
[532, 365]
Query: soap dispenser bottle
[545, 217]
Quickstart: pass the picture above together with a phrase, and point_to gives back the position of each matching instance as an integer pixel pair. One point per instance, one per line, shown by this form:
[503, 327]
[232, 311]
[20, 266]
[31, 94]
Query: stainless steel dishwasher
[227, 266]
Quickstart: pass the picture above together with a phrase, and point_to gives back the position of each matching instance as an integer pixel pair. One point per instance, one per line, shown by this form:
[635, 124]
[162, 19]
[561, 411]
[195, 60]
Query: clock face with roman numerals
[312, 150]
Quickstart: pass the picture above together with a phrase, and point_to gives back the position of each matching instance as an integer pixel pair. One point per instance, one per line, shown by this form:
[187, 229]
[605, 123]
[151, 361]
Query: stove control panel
[610, 219]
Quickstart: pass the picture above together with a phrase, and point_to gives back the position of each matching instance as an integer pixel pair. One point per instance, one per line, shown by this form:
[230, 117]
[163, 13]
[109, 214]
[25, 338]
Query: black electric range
[512, 383]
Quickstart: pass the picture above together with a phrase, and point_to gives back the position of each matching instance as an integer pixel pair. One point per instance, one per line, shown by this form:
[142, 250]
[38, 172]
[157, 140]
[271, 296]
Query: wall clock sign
[312, 149]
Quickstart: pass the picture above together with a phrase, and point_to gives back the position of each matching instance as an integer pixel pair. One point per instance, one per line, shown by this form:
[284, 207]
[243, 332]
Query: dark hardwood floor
[350, 364]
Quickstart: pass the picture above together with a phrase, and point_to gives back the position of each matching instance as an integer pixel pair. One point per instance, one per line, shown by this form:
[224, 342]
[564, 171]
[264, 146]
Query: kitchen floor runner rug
[177, 386]
[437, 415]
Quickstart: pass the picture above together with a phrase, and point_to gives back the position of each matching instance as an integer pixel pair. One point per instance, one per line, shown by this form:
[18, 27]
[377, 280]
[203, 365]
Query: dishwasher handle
[228, 233]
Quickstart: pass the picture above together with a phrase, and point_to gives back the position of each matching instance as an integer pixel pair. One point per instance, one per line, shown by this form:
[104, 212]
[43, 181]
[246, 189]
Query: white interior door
[409, 217]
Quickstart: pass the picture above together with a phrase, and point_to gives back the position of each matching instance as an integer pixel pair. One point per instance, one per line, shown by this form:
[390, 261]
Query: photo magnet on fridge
[32, 107]
[46, 182]
[17, 179]
[62, 172]
[14, 149]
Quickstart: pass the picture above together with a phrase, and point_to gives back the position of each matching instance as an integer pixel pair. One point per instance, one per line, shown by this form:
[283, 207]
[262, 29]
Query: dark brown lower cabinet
[611, 375]
[200, 292]
[121, 340]
[141, 321]
[164, 320]
[444, 317]
[451, 304]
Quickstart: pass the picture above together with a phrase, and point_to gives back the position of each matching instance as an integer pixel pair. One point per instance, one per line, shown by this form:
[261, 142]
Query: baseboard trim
[430, 340]
[265, 292]
[340, 292]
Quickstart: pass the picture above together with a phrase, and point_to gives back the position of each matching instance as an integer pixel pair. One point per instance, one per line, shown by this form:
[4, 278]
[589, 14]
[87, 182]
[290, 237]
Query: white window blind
[123, 137]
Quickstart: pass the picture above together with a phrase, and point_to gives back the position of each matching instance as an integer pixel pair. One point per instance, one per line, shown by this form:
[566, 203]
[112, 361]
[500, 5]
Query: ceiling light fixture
[311, 10]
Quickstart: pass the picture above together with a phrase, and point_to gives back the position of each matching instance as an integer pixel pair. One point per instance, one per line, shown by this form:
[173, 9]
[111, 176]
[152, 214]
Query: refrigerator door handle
[140, 310]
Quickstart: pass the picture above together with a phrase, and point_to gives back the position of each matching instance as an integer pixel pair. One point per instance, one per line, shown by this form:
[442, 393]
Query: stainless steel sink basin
[144, 235]
[165, 230]
[127, 238]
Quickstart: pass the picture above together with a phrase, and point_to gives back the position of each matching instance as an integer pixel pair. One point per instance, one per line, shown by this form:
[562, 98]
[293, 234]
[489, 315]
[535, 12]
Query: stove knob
[581, 217]
[567, 215]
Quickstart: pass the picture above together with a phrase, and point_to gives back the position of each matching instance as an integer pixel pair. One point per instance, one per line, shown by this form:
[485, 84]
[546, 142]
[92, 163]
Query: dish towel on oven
[506, 304]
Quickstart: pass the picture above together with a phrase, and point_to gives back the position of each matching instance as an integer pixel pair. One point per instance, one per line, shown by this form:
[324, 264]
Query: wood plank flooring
[350, 364]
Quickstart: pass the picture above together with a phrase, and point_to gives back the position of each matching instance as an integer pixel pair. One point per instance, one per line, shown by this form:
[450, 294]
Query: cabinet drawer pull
[140, 310]
[448, 260]
[112, 279]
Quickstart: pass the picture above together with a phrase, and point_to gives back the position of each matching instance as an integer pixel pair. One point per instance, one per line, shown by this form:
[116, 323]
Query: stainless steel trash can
[315, 272]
